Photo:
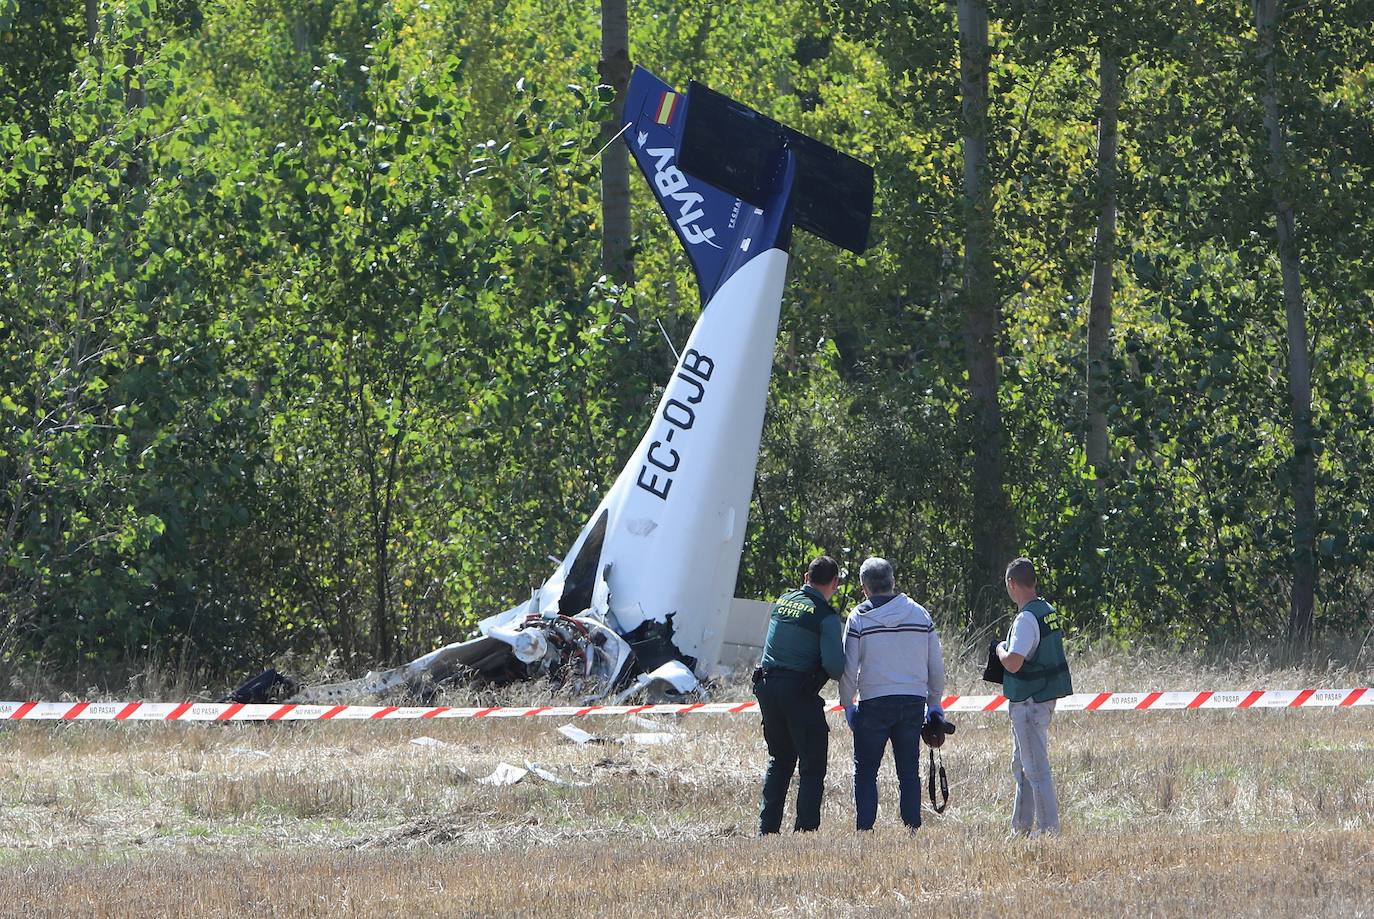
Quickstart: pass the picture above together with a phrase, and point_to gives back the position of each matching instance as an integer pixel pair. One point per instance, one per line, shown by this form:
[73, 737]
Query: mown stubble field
[1258, 813]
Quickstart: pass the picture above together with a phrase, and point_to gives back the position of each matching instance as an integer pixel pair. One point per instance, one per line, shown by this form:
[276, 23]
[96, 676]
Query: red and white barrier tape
[226, 711]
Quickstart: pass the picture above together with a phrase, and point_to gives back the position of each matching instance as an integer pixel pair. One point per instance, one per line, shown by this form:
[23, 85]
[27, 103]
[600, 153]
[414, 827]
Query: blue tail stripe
[719, 231]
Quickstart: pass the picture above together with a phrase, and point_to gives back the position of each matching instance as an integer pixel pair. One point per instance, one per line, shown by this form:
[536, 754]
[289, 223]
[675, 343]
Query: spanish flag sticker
[667, 107]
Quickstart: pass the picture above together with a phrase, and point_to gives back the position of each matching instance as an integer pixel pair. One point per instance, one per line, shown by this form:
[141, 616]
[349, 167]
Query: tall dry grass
[1217, 813]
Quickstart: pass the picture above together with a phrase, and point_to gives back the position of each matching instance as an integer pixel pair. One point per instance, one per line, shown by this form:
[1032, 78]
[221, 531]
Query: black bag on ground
[268, 686]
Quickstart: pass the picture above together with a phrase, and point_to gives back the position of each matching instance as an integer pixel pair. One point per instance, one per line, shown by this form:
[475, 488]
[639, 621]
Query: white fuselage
[677, 512]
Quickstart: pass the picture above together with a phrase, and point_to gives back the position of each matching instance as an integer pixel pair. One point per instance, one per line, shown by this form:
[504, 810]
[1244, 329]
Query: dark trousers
[897, 719]
[795, 731]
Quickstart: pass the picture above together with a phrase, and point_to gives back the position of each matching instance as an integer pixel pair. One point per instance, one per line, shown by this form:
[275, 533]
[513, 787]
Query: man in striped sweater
[893, 665]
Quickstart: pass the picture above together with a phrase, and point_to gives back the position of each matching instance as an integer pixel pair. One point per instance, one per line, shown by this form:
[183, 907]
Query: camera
[935, 729]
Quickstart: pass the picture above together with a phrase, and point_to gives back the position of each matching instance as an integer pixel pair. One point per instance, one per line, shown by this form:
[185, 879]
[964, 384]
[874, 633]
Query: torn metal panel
[577, 735]
[669, 679]
[504, 774]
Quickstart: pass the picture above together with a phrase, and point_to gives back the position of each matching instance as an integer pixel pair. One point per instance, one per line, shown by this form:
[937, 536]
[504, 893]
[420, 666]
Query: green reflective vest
[804, 634]
[1045, 674]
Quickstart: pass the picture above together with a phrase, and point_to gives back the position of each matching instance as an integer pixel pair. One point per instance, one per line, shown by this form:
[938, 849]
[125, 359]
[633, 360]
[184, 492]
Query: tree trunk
[300, 33]
[1104, 263]
[78, 349]
[992, 530]
[616, 261]
[1299, 366]
[135, 97]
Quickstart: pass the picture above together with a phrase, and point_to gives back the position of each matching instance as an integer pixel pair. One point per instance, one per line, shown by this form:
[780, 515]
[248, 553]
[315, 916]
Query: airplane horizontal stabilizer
[734, 148]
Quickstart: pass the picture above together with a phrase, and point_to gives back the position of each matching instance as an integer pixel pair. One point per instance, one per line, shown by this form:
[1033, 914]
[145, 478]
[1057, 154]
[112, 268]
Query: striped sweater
[891, 649]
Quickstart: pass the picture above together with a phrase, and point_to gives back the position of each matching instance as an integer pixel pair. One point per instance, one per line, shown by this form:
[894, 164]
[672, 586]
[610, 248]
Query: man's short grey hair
[876, 575]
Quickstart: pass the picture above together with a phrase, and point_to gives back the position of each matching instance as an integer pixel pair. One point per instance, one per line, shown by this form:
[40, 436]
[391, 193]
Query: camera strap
[944, 783]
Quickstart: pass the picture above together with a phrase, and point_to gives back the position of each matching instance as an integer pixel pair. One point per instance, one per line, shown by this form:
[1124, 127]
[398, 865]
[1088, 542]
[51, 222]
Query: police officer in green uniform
[1037, 674]
[803, 650]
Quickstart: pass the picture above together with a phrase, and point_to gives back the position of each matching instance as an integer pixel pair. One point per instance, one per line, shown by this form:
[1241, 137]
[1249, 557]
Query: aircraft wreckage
[642, 598]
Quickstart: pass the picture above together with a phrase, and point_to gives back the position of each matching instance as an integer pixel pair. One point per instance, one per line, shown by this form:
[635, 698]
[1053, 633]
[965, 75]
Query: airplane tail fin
[716, 167]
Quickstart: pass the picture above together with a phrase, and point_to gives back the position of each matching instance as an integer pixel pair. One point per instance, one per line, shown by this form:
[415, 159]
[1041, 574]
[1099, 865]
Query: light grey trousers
[1036, 804]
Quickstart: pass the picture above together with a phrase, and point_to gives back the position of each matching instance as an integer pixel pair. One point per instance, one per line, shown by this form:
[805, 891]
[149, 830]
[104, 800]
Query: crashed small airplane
[642, 598]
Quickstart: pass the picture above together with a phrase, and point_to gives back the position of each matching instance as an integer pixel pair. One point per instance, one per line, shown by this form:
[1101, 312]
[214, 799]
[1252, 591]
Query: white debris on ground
[655, 737]
[577, 735]
[505, 774]
[431, 742]
[647, 738]
[509, 774]
[552, 779]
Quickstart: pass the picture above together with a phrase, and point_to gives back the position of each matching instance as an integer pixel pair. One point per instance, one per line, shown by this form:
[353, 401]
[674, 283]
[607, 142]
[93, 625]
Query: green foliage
[303, 341]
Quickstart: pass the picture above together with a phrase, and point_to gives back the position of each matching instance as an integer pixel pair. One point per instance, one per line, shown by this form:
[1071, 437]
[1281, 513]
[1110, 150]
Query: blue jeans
[1037, 806]
[888, 718]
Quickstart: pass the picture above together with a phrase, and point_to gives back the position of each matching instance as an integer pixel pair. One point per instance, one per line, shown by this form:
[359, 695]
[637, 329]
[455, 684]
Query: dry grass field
[1258, 813]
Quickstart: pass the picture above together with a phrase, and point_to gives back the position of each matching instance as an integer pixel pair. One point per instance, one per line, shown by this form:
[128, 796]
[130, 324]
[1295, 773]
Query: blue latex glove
[849, 712]
[934, 709]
